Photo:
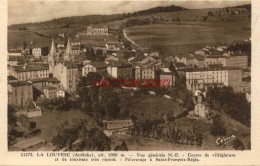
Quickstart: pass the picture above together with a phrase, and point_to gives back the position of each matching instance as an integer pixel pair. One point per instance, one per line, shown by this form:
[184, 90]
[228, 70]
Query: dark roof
[70, 65]
[210, 69]
[215, 56]
[124, 66]
[11, 78]
[14, 58]
[50, 88]
[215, 52]
[35, 67]
[179, 64]
[54, 79]
[19, 83]
[166, 73]
[98, 64]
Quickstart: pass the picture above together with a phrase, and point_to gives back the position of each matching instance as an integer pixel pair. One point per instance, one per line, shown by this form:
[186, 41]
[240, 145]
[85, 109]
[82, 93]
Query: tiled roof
[27, 68]
[70, 65]
[98, 64]
[54, 79]
[19, 83]
[210, 69]
[50, 88]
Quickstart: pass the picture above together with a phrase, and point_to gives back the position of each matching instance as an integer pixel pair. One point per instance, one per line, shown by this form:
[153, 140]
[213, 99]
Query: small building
[97, 30]
[60, 93]
[201, 108]
[120, 71]
[50, 92]
[169, 76]
[37, 52]
[20, 93]
[117, 126]
[94, 67]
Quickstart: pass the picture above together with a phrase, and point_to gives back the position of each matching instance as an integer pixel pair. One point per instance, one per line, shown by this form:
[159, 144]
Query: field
[16, 38]
[148, 106]
[50, 120]
[183, 38]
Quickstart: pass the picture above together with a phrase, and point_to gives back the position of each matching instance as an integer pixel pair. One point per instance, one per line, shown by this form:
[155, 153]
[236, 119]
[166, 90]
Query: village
[203, 87]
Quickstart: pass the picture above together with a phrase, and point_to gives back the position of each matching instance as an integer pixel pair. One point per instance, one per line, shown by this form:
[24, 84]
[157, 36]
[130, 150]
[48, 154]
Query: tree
[122, 147]
[24, 45]
[11, 116]
[238, 144]
[110, 100]
[217, 129]
[210, 13]
[125, 113]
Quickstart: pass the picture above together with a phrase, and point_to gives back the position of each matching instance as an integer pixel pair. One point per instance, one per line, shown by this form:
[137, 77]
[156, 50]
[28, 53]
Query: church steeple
[68, 52]
[52, 57]
[53, 48]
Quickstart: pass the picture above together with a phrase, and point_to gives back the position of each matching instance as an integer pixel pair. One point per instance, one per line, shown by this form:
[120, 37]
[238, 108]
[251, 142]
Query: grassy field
[50, 120]
[148, 106]
[183, 38]
[16, 38]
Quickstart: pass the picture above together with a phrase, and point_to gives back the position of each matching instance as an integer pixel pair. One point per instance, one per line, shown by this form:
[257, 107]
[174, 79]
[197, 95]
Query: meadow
[182, 38]
[16, 38]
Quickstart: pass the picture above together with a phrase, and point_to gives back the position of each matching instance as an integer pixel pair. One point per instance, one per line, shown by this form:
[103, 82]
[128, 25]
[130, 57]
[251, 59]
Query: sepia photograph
[129, 75]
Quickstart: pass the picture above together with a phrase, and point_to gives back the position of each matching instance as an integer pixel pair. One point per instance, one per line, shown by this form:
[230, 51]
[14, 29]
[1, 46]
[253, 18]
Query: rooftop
[54, 79]
[27, 68]
[19, 83]
[210, 69]
[50, 88]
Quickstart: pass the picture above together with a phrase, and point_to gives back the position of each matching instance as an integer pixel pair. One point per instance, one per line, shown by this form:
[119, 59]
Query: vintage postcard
[129, 82]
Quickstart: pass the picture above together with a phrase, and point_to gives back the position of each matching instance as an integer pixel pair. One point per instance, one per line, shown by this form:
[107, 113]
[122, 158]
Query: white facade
[60, 94]
[37, 52]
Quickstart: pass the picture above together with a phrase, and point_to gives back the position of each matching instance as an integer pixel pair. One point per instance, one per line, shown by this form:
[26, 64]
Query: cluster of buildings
[59, 72]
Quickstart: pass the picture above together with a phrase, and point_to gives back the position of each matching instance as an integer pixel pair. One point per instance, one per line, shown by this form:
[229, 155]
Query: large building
[120, 71]
[95, 67]
[97, 30]
[238, 61]
[68, 74]
[19, 93]
[201, 78]
[30, 71]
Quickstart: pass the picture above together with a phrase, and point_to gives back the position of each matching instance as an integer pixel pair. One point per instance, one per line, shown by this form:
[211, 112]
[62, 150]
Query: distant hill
[247, 6]
[97, 19]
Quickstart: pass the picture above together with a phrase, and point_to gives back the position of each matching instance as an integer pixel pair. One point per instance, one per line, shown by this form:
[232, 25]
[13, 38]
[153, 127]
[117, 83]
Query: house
[67, 73]
[60, 93]
[201, 108]
[19, 93]
[50, 92]
[14, 60]
[40, 83]
[37, 52]
[97, 30]
[169, 76]
[179, 65]
[30, 71]
[120, 71]
[117, 126]
[147, 73]
[94, 67]
[137, 72]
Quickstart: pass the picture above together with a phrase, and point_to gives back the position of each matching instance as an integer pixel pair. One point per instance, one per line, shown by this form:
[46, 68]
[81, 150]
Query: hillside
[173, 19]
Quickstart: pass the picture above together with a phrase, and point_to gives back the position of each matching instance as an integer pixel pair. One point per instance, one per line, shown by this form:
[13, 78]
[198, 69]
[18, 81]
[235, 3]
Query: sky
[37, 11]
